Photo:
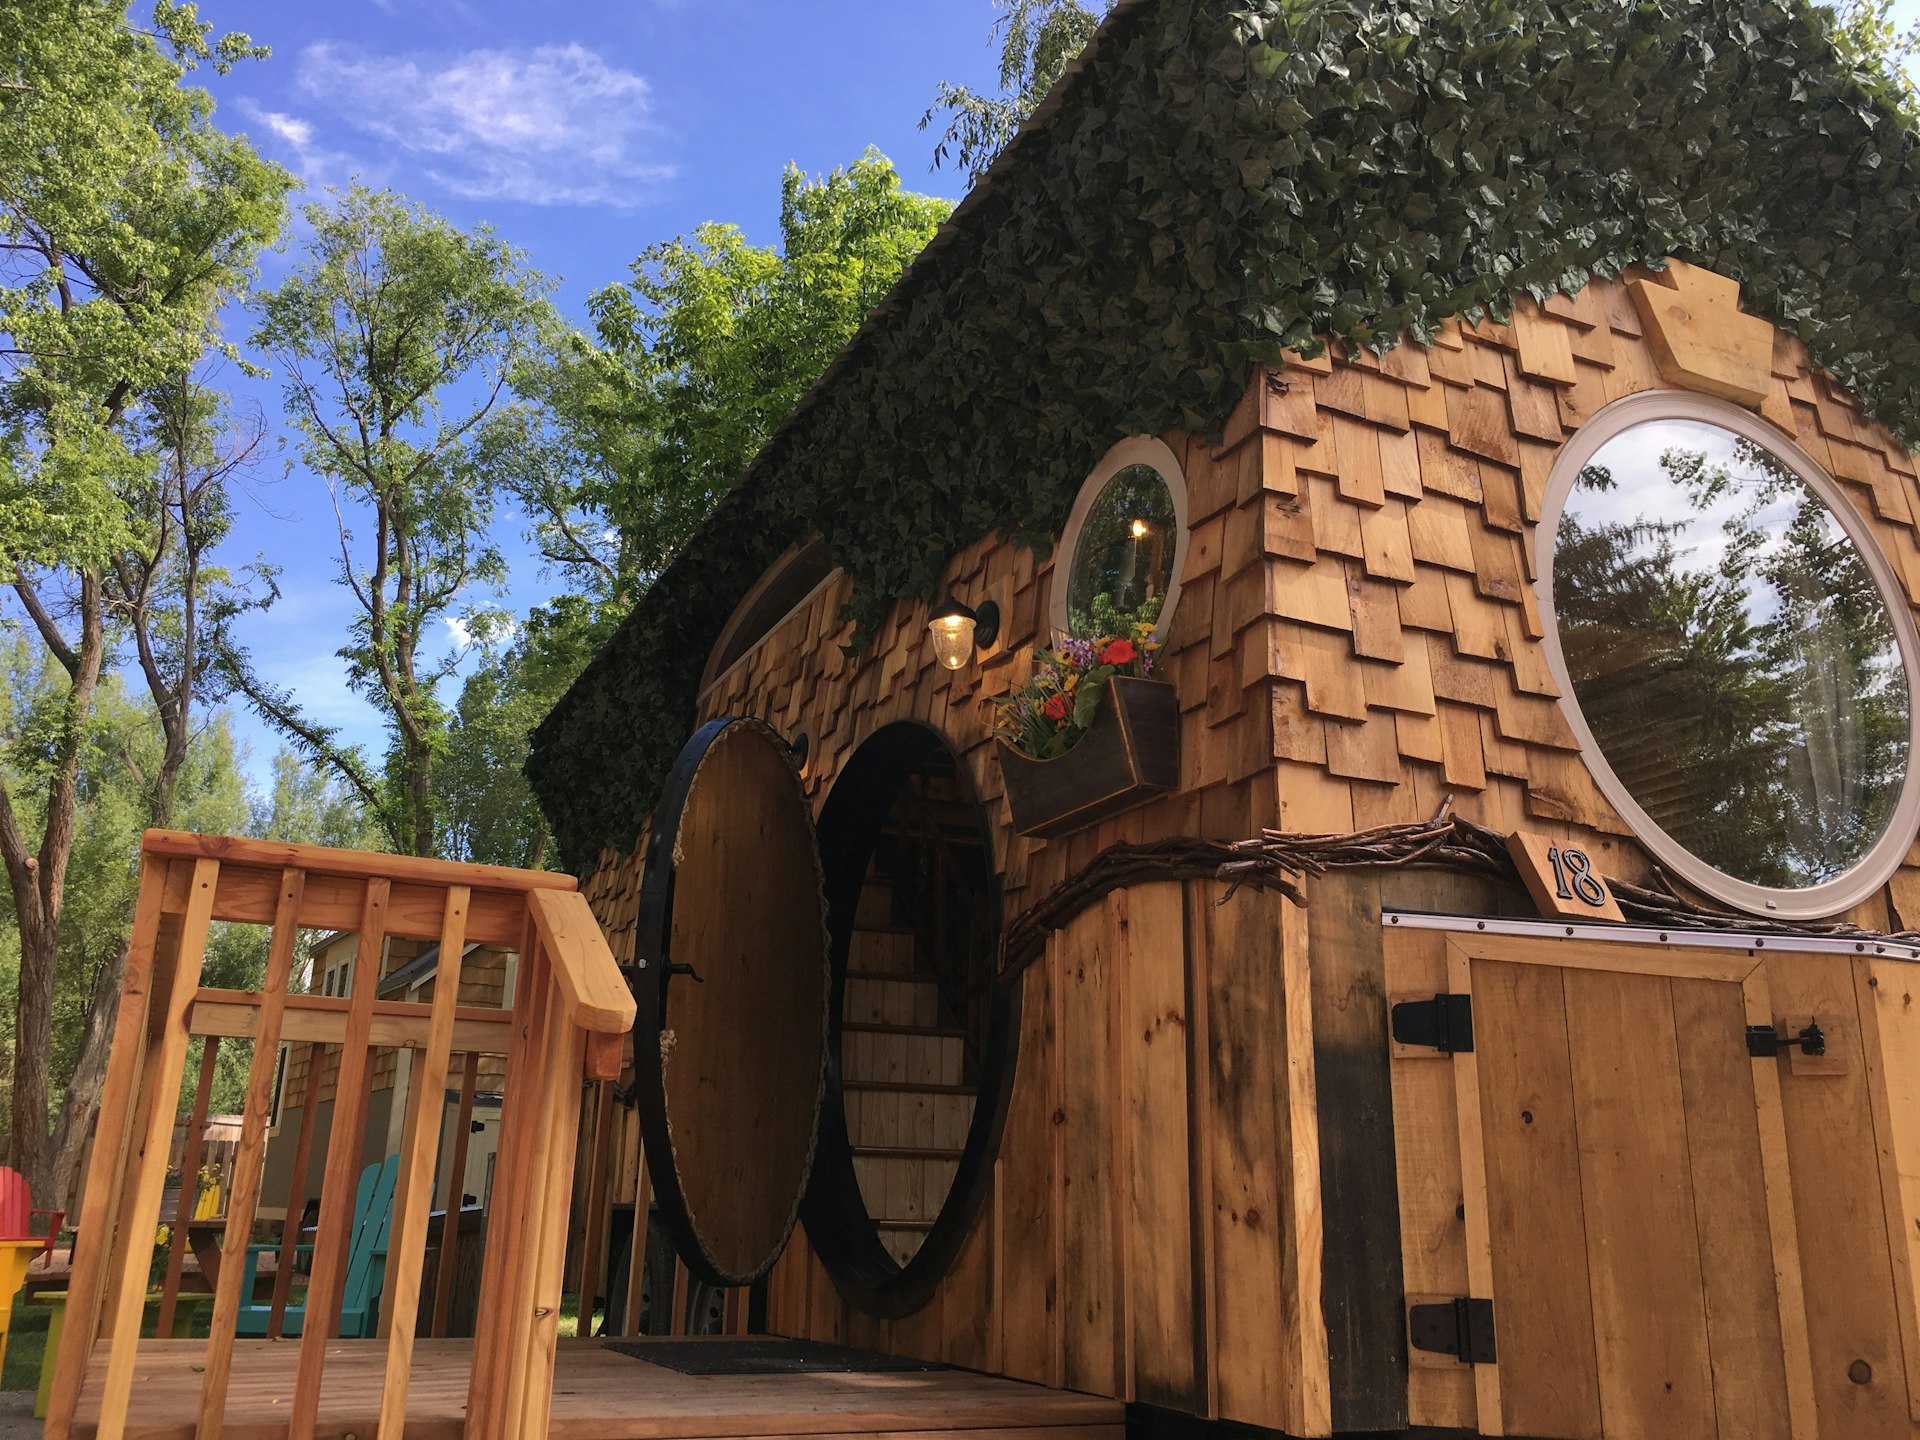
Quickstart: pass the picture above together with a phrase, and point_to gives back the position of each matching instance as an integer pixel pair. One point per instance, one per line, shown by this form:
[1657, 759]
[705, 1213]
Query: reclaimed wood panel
[1636, 1182]
[1727, 1174]
[1542, 1291]
[1853, 1322]
[1159, 1227]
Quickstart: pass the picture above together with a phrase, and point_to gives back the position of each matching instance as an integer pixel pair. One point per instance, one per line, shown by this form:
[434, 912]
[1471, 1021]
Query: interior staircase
[907, 1074]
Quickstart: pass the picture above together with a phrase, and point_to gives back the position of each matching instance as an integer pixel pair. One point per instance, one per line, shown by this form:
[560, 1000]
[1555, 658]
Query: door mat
[762, 1355]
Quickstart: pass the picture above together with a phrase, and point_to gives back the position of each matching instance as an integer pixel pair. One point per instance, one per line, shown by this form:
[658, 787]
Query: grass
[26, 1343]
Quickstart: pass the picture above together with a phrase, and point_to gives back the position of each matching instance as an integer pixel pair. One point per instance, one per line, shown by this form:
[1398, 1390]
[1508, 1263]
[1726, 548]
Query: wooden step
[884, 1052]
[907, 1117]
[891, 999]
[873, 950]
[909, 1087]
[876, 903]
[905, 1223]
[904, 1189]
[863, 1027]
[905, 1152]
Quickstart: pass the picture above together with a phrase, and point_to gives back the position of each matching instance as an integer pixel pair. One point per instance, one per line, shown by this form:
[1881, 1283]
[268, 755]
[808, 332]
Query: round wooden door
[732, 927]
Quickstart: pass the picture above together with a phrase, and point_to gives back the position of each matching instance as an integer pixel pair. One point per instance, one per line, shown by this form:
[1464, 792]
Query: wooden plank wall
[1148, 1235]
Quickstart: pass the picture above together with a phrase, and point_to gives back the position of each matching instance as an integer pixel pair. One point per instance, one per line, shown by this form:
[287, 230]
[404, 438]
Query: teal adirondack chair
[366, 1262]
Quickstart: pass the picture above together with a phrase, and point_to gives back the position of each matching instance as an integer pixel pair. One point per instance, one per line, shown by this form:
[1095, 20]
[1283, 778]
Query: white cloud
[556, 125]
[313, 162]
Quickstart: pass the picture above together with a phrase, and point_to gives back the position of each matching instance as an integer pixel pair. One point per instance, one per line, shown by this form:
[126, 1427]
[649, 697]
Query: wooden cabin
[1462, 975]
[1476, 989]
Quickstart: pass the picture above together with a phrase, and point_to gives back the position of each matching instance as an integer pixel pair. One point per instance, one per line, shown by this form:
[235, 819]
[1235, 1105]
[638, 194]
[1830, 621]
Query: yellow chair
[15, 1257]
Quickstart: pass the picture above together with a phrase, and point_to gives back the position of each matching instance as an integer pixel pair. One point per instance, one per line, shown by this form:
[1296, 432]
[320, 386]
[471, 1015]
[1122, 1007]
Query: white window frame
[1158, 456]
[1884, 857]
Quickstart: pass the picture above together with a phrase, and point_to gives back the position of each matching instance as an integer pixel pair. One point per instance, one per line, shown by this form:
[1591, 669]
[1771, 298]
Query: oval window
[1735, 653]
[1124, 544]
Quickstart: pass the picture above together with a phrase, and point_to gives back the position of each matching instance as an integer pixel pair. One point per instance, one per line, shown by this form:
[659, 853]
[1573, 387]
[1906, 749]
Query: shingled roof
[1218, 181]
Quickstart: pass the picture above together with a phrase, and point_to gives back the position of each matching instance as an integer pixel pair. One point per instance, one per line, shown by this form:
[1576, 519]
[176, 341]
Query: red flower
[1119, 652]
[1056, 707]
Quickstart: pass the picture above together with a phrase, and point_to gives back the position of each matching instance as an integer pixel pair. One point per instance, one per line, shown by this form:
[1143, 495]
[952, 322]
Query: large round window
[1125, 543]
[1735, 653]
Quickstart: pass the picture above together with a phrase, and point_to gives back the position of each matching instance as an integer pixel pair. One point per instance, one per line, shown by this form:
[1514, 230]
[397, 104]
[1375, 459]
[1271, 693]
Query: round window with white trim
[1125, 544]
[1734, 653]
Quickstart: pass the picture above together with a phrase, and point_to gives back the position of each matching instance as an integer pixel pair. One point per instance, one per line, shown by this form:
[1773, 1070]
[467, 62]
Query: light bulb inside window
[952, 639]
[1139, 529]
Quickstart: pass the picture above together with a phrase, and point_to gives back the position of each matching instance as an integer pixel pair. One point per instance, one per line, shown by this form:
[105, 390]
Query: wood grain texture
[600, 1395]
[1246, 1071]
[1845, 1265]
[1728, 1174]
[1537, 1223]
[1888, 994]
[1433, 1238]
[1642, 1237]
[1362, 1285]
[1161, 1298]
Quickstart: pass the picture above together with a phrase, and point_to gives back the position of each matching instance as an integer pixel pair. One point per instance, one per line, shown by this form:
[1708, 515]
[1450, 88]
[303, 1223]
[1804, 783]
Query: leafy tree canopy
[396, 335]
[1037, 40]
[630, 434]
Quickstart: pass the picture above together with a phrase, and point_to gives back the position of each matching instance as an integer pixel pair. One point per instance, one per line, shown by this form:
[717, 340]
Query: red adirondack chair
[17, 1212]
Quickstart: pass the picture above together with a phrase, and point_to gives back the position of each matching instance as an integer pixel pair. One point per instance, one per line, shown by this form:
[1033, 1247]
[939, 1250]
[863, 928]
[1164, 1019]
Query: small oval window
[1124, 545]
[1735, 654]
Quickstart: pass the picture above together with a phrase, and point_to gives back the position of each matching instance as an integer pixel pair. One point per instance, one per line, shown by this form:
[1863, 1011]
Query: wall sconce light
[959, 629]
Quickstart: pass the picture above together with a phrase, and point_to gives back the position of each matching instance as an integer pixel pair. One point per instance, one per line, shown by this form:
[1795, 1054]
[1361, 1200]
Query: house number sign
[1562, 878]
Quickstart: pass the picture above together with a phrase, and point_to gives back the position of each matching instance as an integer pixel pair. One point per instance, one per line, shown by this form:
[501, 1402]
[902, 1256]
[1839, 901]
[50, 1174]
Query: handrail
[591, 987]
[360, 864]
[568, 1022]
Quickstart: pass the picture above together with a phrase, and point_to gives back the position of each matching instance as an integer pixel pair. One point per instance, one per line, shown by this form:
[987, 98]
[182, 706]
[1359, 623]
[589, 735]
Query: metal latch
[1766, 1041]
[1444, 1023]
[1462, 1328]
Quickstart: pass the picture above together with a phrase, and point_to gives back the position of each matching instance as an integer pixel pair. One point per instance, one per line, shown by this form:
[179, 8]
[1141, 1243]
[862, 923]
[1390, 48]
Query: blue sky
[582, 133]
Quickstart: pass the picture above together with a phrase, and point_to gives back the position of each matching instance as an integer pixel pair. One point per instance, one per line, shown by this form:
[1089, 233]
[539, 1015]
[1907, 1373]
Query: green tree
[395, 336]
[627, 438]
[307, 805]
[489, 814]
[622, 440]
[122, 748]
[127, 220]
[1037, 40]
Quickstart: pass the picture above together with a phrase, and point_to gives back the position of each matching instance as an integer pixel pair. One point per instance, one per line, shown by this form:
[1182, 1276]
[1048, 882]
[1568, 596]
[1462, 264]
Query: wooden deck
[598, 1395]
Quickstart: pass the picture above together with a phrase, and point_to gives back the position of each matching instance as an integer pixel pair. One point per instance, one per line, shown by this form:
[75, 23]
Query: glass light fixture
[1139, 529]
[958, 630]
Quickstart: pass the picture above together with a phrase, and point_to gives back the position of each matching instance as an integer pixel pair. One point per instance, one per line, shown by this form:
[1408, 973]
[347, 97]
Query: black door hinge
[1462, 1328]
[1766, 1041]
[1445, 1023]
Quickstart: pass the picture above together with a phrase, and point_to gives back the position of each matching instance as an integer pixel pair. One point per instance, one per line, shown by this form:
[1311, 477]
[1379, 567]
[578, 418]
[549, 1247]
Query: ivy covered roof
[1219, 180]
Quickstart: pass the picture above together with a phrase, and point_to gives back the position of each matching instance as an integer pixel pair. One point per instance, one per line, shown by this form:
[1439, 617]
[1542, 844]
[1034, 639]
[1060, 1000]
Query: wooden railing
[571, 1011]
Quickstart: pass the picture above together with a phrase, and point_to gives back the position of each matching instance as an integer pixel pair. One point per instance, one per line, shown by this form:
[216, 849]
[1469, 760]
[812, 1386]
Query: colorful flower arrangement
[1047, 715]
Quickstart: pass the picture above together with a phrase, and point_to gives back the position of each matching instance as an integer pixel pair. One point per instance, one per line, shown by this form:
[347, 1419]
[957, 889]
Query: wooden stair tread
[898, 977]
[905, 1152]
[879, 1224]
[860, 928]
[882, 1027]
[917, 1087]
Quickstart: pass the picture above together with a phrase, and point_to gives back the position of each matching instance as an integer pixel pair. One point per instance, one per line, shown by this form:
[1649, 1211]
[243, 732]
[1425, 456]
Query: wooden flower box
[1129, 754]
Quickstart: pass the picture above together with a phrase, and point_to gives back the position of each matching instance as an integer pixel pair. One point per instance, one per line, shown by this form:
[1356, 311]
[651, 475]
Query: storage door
[1620, 1256]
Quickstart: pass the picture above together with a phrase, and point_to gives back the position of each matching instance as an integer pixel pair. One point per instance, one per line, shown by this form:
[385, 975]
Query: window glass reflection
[1123, 556]
[1731, 653]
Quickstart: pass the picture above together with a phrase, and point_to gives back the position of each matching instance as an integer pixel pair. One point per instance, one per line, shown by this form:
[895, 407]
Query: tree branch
[43, 622]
